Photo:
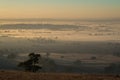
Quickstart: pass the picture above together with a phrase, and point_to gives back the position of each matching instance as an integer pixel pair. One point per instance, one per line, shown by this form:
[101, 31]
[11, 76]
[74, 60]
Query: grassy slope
[14, 75]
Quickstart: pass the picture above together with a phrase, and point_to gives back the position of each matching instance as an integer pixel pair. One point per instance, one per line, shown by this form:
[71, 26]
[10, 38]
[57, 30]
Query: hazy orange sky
[71, 9]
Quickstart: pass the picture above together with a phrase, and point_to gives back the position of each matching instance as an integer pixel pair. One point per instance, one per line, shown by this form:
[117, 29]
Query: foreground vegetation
[17, 75]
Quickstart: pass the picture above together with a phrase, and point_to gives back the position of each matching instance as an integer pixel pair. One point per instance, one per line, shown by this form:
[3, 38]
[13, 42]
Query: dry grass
[15, 75]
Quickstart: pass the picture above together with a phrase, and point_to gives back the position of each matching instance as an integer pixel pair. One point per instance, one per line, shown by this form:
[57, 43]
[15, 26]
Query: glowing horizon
[70, 9]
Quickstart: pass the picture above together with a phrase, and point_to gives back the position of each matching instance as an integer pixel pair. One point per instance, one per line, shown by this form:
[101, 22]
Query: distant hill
[41, 26]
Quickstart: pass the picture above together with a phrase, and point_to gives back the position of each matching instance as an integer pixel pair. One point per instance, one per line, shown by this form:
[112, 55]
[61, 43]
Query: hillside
[15, 75]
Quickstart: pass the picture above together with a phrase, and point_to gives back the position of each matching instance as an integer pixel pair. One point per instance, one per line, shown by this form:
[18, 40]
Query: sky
[63, 9]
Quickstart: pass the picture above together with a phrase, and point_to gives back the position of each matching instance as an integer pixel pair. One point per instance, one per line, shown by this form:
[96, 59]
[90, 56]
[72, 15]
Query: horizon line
[62, 19]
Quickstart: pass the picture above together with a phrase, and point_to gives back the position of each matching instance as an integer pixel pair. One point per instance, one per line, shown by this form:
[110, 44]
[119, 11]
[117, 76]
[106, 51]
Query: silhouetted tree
[113, 68]
[77, 63]
[32, 63]
[47, 54]
[61, 57]
[12, 56]
[93, 58]
[117, 54]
